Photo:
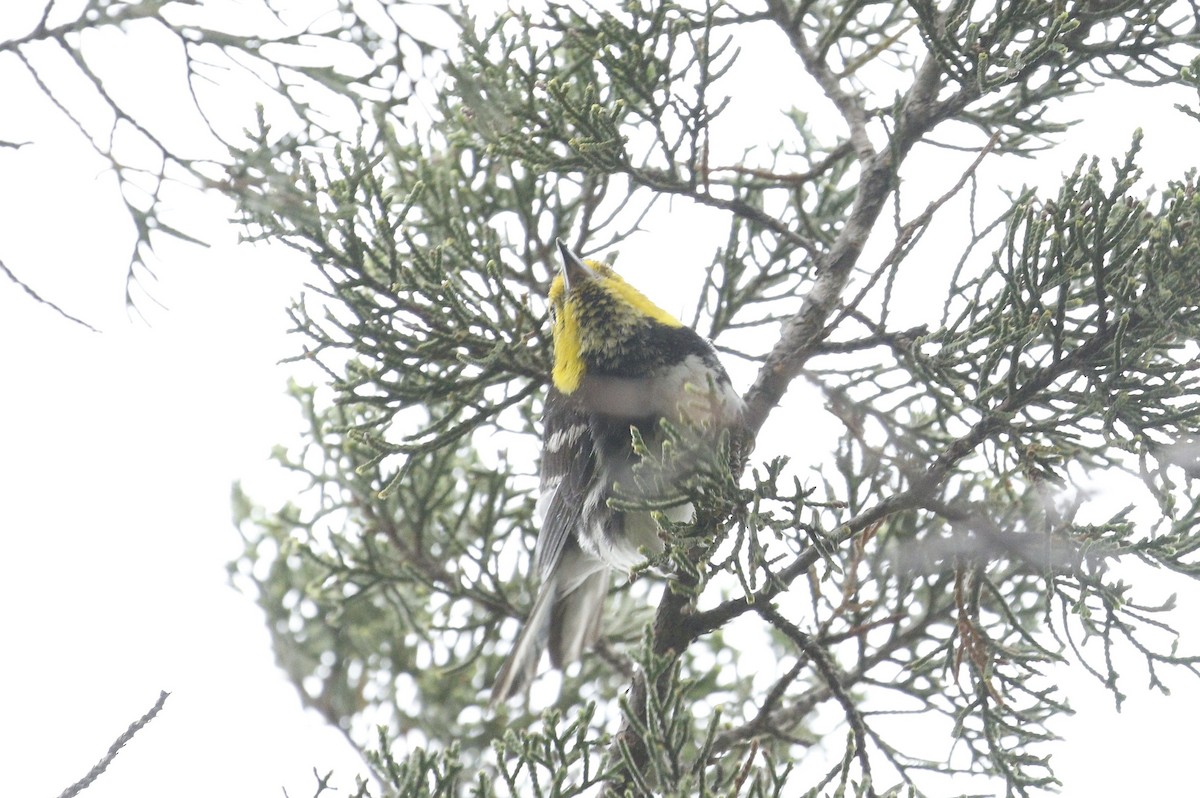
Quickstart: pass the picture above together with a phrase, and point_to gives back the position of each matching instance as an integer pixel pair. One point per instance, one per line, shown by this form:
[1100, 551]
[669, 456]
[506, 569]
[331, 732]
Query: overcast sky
[120, 449]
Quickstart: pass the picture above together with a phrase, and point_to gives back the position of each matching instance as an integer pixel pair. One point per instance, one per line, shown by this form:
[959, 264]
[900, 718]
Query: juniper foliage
[939, 562]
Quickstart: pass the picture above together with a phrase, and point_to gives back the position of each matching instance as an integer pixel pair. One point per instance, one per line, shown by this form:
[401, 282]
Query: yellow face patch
[568, 357]
[595, 315]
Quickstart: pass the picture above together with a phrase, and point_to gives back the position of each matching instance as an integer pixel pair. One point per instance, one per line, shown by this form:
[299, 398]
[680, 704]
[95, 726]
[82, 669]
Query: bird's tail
[566, 623]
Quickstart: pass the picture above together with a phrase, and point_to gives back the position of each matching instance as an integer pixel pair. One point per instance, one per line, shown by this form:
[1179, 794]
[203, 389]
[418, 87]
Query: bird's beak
[574, 270]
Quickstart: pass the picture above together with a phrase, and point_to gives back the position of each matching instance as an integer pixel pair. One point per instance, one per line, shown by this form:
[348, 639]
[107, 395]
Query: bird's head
[598, 318]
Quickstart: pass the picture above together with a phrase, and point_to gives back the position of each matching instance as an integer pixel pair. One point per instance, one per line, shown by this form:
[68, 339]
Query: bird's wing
[568, 470]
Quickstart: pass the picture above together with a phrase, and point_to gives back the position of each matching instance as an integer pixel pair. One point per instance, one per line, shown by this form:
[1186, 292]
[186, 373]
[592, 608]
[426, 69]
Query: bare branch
[115, 749]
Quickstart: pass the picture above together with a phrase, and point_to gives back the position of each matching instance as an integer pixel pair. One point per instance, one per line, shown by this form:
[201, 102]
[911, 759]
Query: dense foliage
[881, 623]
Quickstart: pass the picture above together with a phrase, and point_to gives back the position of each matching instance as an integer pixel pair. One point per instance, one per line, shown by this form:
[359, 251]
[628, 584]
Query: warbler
[620, 362]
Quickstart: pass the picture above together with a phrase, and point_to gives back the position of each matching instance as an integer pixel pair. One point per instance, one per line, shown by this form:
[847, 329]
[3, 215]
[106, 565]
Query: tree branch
[41, 299]
[804, 332]
[115, 749]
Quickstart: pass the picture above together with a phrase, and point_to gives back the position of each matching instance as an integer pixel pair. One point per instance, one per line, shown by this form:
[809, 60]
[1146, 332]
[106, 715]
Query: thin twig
[834, 682]
[114, 749]
[41, 299]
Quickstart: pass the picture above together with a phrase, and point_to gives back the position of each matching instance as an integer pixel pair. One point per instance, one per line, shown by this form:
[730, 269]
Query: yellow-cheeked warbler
[620, 362]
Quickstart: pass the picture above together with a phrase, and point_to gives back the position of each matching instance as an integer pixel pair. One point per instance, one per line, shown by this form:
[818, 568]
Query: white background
[119, 450]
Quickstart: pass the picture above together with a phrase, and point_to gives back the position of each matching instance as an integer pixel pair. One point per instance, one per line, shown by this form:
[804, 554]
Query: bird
[621, 363]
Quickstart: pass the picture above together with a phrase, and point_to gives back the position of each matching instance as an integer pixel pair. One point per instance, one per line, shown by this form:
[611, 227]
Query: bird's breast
[689, 392]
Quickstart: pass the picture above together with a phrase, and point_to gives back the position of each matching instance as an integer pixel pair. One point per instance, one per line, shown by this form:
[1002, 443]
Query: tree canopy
[879, 617]
[908, 595]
